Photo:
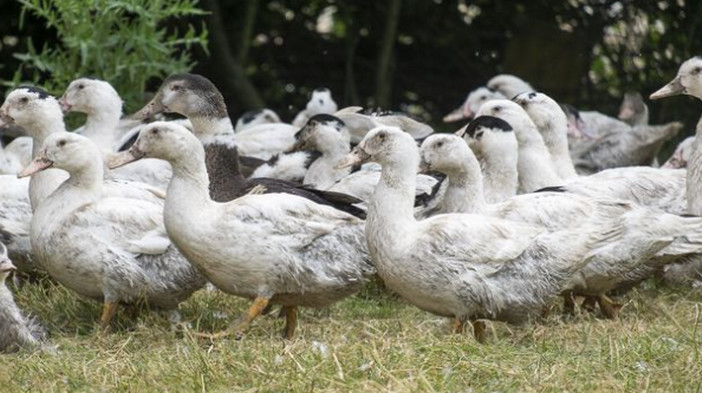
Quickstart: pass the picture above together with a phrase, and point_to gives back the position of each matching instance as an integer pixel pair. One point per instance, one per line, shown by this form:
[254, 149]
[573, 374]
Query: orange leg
[108, 311]
[479, 330]
[458, 325]
[242, 323]
[290, 321]
[609, 308]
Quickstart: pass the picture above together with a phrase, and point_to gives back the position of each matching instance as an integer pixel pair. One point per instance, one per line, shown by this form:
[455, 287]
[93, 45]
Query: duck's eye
[532, 95]
[154, 131]
[176, 87]
[483, 98]
[81, 86]
[439, 144]
[381, 136]
[478, 134]
[497, 109]
[24, 100]
[697, 70]
[61, 143]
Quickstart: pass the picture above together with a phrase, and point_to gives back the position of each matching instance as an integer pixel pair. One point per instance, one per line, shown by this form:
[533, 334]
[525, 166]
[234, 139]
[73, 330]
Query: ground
[370, 342]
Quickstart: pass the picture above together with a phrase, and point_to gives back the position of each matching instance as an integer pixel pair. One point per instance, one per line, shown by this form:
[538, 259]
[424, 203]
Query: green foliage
[125, 42]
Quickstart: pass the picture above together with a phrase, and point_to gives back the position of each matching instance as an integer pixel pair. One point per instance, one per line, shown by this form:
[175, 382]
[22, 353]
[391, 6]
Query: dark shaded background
[424, 56]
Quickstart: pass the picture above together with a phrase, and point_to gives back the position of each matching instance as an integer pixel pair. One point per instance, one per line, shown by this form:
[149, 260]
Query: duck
[255, 117]
[359, 123]
[15, 218]
[473, 101]
[508, 85]
[552, 124]
[321, 102]
[494, 151]
[652, 187]
[633, 110]
[688, 81]
[270, 248]
[260, 146]
[103, 106]
[329, 135]
[40, 115]
[18, 330]
[462, 266]
[197, 98]
[637, 146]
[534, 162]
[681, 155]
[110, 249]
[649, 239]
[15, 155]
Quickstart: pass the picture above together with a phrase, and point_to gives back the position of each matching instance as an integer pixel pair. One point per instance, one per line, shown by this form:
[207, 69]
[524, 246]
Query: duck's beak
[424, 166]
[154, 107]
[125, 157]
[65, 106]
[671, 89]
[358, 156]
[38, 164]
[456, 115]
[6, 266]
[300, 145]
[461, 131]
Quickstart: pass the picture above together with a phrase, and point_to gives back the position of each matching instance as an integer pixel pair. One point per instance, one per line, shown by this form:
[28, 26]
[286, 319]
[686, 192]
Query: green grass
[371, 342]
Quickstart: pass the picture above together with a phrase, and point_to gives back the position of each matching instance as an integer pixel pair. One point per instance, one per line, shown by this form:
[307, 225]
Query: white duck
[359, 123]
[321, 102]
[15, 155]
[329, 135]
[633, 110]
[103, 106]
[461, 266]
[642, 247]
[109, 249]
[681, 155]
[535, 163]
[39, 114]
[256, 117]
[18, 331]
[472, 104]
[653, 187]
[509, 85]
[272, 248]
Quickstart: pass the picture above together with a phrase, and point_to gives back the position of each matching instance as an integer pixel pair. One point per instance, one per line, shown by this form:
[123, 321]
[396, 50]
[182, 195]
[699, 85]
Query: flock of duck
[492, 223]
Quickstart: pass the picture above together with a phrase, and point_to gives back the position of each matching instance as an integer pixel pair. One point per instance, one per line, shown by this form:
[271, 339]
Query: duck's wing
[132, 225]
[289, 218]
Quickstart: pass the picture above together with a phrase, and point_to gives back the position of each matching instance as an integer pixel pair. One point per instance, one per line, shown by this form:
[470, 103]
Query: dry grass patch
[371, 342]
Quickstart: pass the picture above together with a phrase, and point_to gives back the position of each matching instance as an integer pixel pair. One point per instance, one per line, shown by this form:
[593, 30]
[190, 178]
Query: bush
[125, 42]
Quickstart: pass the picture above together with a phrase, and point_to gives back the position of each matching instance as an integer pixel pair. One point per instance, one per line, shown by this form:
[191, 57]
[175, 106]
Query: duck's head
[542, 109]
[444, 153]
[163, 140]
[486, 134]
[688, 81]
[29, 108]
[473, 102]
[321, 132]
[6, 266]
[509, 85]
[632, 106]
[189, 95]
[384, 145]
[255, 117]
[321, 101]
[64, 150]
[88, 95]
[508, 111]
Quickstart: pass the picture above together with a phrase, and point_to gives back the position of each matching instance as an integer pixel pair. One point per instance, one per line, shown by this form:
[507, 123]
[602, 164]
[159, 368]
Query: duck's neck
[101, 123]
[188, 190]
[501, 177]
[81, 188]
[45, 182]
[212, 129]
[534, 164]
[390, 212]
[464, 193]
[225, 179]
[555, 135]
[322, 173]
[694, 174]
